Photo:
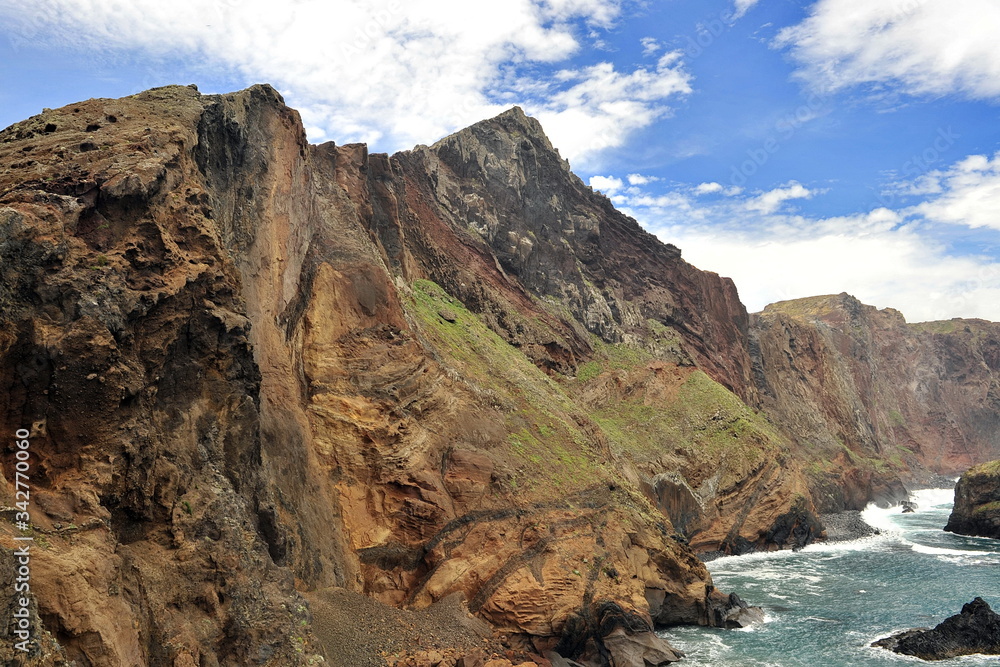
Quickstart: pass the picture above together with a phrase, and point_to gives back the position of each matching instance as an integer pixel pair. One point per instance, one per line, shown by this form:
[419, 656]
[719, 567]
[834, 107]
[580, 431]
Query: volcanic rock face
[866, 396]
[255, 370]
[975, 630]
[252, 367]
[977, 502]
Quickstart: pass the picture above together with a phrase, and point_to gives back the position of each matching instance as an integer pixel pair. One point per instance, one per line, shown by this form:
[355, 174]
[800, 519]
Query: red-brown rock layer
[219, 338]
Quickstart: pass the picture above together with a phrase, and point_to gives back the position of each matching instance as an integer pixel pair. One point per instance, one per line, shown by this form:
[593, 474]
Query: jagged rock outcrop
[869, 399]
[494, 218]
[975, 630]
[977, 502]
[244, 381]
[137, 351]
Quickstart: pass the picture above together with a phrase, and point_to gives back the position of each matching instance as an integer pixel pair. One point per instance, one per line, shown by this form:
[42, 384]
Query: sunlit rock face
[255, 369]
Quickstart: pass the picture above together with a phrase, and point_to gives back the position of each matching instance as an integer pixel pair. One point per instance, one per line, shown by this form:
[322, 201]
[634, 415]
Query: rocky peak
[502, 186]
[511, 133]
[286, 367]
[834, 309]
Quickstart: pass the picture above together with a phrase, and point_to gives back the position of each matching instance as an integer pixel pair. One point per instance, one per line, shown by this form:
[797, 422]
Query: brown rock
[838, 374]
[644, 649]
[471, 660]
[250, 346]
[977, 502]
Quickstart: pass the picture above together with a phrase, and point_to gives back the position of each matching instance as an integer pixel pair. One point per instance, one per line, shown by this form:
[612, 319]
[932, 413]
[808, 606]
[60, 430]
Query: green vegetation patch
[807, 308]
[706, 422]
[977, 329]
[611, 357]
[541, 433]
[988, 468]
[988, 507]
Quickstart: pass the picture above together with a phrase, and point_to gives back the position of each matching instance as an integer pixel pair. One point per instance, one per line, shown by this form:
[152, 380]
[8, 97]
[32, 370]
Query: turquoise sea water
[827, 603]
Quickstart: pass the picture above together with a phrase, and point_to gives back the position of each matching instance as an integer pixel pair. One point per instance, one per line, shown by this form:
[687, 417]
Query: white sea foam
[837, 549]
[828, 599]
[938, 551]
[969, 561]
[927, 498]
[881, 518]
[885, 518]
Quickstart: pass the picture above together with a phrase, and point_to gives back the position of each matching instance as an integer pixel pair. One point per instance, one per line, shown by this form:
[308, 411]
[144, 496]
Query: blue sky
[799, 147]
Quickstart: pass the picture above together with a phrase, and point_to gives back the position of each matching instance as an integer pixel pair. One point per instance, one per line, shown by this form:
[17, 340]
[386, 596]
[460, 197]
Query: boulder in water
[611, 633]
[975, 630]
[730, 611]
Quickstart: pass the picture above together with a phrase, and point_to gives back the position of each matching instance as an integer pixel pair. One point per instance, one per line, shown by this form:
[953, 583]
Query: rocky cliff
[977, 502]
[259, 375]
[253, 369]
[871, 400]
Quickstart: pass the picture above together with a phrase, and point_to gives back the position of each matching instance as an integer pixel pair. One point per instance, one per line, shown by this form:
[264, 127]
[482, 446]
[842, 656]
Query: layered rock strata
[252, 368]
[871, 401]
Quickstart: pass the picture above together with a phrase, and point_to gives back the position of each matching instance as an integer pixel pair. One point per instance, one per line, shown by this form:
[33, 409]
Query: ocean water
[826, 603]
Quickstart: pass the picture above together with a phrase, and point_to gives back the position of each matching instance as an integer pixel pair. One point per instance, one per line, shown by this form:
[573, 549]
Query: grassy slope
[542, 436]
[698, 423]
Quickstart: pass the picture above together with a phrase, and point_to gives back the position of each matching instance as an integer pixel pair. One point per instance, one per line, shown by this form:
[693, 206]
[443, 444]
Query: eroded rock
[977, 502]
[975, 630]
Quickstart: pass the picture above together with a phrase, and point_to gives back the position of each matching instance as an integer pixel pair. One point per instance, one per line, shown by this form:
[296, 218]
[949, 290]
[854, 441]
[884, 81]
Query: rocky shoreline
[847, 526]
[289, 369]
[838, 527]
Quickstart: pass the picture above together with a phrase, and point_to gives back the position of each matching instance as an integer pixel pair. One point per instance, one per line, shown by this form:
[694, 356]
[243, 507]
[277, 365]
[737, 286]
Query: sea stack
[977, 502]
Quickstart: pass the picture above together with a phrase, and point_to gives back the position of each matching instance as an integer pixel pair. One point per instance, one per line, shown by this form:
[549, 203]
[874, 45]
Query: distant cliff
[866, 396]
[254, 369]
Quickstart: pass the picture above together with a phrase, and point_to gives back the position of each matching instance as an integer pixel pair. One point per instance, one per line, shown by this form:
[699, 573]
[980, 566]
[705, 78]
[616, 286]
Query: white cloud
[708, 188]
[969, 193]
[897, 269]
[885, 257]
[598, 12]
[603, 106]
[650, 46]
[771, 201]
[394, 72]
[314, 133]
[641, 179]
[742, 7]
[606, 184]
[922, 46]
